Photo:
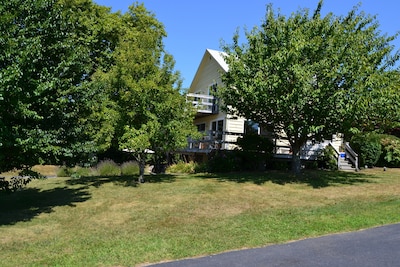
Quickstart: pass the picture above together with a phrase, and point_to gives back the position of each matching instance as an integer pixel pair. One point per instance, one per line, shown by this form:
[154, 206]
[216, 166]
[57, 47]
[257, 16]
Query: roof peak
[219, 57]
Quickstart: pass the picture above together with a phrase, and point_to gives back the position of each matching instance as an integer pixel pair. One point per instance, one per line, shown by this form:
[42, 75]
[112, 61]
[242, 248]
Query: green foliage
[108, 168]
[77, 79]
[390, 151]
[103, 168]
[378, 108]
[48, 54]
[145, 109]
[182, 167]
[327, 158]
[130, 168]
[224, 161]
[235, 161]
[74, 172]
[16, 183]
[255, 143]
[188, 167]
[368, 148]
[255, 150]
[304, 74]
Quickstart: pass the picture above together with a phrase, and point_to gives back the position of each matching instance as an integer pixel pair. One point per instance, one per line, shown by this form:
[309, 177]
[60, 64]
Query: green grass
[112, 221]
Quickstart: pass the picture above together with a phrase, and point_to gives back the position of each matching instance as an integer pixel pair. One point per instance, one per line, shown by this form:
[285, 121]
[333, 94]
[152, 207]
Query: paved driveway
[375, 247]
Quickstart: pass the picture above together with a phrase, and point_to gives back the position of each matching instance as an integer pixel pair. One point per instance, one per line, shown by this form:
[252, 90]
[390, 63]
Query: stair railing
[337, 156]
[351, 155]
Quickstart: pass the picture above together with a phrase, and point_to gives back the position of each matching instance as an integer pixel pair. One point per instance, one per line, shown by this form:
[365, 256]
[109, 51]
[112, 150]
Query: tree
[302, 74]
[145, 106]
[378, 109]
[48, 54]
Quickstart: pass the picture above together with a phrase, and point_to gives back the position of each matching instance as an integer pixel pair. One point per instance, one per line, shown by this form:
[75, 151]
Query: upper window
[212, 89]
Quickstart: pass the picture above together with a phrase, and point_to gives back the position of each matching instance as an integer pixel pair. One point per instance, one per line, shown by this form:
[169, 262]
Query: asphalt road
[375, 247]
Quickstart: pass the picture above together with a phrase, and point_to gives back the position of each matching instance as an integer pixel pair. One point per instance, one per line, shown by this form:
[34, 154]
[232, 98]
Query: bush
[187, 167]
[130, 168]
[368, 147]
[327, 158]
[182, 167]
[255, 150]
[108, 168]
[64, 171]
[255, 143]
[74, 172]
[390, 151]
[225, 161]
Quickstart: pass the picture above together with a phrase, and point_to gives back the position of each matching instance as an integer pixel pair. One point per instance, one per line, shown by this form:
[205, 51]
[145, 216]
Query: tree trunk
[142, 164]
[296, 161]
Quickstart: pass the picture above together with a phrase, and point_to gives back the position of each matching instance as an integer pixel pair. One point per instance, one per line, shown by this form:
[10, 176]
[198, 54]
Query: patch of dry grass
[113, 221]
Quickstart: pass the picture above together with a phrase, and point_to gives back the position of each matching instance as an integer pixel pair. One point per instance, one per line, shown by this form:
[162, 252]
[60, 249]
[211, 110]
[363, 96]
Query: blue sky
[194, 26]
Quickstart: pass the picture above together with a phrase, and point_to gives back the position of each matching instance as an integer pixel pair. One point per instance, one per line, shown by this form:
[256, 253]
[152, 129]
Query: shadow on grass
[127, 180]
[24, 205]
[315, 179]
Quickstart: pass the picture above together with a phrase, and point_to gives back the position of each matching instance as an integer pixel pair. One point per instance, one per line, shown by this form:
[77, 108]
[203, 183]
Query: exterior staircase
[344, 164]
[347, 160]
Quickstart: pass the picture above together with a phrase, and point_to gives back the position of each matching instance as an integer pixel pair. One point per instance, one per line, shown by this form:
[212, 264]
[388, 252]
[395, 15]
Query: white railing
[210, 141]
[351, 155]
[203, 103]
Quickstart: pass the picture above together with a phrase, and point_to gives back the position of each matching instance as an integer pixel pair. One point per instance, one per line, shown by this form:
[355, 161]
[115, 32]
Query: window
[251, 127]
[201, 127]
[217, 128]
[212, 89]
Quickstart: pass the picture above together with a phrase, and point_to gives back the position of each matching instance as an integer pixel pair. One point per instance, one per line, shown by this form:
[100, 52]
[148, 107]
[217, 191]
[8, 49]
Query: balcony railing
[203, 103]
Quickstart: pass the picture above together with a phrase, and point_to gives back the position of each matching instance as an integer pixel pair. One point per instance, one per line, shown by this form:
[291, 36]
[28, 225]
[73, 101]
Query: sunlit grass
[93, 221]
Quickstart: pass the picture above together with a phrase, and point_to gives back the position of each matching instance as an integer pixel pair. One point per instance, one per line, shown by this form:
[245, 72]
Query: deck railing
[203, 103]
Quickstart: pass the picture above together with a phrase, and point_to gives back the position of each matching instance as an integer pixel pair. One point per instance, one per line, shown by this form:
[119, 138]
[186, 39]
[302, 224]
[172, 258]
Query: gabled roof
[218, 56]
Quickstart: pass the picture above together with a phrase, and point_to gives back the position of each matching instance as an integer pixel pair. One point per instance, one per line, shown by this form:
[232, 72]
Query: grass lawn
[112, 221]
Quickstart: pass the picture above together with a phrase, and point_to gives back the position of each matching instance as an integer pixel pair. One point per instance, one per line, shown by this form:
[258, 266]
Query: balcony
[204, 104]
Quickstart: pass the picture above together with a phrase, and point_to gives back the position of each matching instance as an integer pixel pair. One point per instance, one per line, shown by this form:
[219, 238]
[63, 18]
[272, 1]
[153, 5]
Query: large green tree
[147, 111]
[302, 74]
[377, 109]
[48, 53]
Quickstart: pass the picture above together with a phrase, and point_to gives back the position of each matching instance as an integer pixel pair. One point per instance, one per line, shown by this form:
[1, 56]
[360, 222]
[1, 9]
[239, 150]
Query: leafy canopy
[142, 89]
[302, 74]
[48, 53]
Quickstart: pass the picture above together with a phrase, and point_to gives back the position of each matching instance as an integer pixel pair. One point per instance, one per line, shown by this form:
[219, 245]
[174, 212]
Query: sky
[193, 26]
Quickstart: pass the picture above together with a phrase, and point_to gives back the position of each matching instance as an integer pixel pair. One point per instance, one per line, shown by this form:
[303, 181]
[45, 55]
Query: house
[220, 129]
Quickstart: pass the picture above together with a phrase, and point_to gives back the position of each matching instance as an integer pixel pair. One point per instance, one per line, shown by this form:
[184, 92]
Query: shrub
[187, 167]
[64, 171]
[108, 168]
[255, 150]
[130, 168]
[182, 167]
[327, 158]
[74, 172]
[224, 161]
[368, 147]
[390, 151]
[255, 143]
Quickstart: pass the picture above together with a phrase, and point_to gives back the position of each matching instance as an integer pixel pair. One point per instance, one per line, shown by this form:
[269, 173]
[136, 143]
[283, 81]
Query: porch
[216, 140]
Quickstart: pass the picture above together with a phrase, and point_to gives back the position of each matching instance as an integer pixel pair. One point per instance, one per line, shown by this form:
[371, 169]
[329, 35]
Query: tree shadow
[315, 179]
[123, 180]
[25, 205]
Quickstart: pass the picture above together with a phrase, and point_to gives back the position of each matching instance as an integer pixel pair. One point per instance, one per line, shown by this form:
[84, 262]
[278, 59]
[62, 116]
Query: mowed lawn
[112, 221]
